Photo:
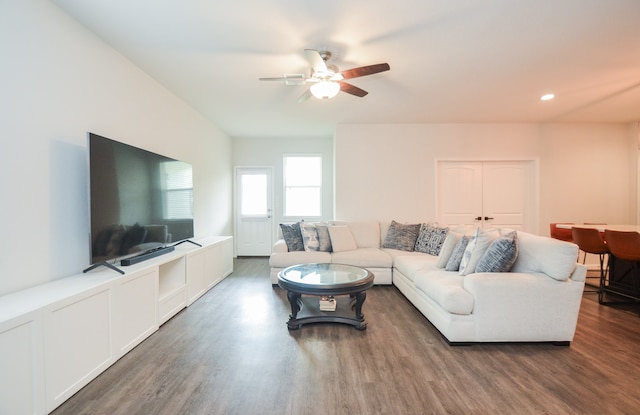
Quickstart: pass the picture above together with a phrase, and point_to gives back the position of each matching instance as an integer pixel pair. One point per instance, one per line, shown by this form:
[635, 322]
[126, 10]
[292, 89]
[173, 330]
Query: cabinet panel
[77, 340]
[172, 288]
[196, 284]
[21, 366]
[134, 310]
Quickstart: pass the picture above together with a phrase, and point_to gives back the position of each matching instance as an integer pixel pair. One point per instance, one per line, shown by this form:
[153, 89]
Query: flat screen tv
[140, 202]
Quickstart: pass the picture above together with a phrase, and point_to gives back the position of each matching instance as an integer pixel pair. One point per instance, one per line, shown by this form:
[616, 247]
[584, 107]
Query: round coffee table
[325, 280]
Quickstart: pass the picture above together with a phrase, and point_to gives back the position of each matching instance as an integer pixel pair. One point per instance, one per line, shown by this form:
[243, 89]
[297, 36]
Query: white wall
[587, 172]
[60, 81]
[268, 152]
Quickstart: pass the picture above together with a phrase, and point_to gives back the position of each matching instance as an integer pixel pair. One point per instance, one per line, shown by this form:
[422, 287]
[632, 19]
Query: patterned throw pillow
[292, 236]
[401, 236]
[478, 244]
[324, 239]
[501, 254]
[430, 239]
[456, 256]
[309, 237]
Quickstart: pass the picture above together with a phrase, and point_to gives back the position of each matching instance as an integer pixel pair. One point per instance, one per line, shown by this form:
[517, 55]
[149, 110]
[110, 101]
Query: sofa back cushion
[365, 233]
[341, 238]
[553, 257]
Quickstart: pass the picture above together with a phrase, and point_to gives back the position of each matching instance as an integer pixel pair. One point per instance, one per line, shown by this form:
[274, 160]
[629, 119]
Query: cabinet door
[196, 275]
[227, 257]
[21, 365]
[214, 264]
[77, 343]
[135, 308]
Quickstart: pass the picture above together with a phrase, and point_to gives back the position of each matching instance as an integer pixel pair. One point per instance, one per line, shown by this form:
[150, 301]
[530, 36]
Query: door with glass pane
[253, 224]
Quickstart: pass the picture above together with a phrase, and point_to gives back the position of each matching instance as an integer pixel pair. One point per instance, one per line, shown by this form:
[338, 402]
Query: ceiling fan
[325, 77]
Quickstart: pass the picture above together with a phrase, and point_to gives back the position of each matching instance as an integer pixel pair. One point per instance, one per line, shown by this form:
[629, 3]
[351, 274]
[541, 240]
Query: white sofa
[538, 300]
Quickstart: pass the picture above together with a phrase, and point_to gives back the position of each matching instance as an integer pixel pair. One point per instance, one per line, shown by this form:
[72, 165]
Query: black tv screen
[139, 200]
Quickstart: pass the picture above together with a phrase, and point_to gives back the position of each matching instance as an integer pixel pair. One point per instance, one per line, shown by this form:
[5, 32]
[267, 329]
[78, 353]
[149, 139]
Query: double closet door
[488, 194]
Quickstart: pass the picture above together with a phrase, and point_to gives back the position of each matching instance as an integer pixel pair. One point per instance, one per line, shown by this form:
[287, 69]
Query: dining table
[621, 280]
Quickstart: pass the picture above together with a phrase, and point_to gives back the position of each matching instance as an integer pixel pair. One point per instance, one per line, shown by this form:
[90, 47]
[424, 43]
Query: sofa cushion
[501, 254]
[309, 237]
[411, 265]
[363, 257]
[453, 264]
[430, 239]
[446, 289]
[478, 244]
[341, 238]
[292, 236]
[401, 236]
[287, 259]
[365, 233]
[553, 257]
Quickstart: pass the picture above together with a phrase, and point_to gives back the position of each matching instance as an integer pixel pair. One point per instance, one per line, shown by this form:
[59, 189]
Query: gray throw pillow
[292, 236]
[456, 256]
[401, 236]
[323, 237]
[501, 254]
[430, 239]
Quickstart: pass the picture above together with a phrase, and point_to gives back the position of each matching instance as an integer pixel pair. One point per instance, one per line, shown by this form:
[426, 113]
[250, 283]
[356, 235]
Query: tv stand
[187, 240]
[152, 253]
[103, 264]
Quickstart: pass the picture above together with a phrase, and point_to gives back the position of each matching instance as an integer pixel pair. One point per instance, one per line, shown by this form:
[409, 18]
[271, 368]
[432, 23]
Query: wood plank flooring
[231, 353]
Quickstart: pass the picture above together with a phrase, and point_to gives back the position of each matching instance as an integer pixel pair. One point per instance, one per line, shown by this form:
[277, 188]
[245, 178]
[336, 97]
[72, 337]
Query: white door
[253, 201]
[486, 194]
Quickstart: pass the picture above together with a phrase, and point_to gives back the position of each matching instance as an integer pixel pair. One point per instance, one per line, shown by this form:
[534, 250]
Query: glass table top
[324, 274]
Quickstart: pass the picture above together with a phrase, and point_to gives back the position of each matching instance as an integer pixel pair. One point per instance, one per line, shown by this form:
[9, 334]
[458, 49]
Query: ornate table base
[305, 310]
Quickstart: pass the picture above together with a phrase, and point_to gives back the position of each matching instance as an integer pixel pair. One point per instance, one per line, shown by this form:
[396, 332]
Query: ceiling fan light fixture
[325, 89]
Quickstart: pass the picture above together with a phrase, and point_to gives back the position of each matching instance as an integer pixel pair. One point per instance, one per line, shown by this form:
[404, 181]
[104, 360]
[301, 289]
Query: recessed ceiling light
[547, 97]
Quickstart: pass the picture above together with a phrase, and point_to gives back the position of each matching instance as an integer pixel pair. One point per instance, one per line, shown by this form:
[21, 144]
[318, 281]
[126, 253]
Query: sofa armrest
[279, 246]
[534, 305]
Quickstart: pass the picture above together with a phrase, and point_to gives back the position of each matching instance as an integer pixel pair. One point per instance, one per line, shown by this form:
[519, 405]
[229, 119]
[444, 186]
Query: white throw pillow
[476, 248]
[447, 248]
[342, 239]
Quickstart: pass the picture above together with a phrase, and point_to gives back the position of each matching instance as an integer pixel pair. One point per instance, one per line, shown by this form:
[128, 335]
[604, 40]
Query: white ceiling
[452, 61]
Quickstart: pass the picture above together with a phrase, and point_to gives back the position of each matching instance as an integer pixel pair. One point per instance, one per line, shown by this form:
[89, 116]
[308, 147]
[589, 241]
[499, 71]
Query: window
[177, 186]
[302, 185]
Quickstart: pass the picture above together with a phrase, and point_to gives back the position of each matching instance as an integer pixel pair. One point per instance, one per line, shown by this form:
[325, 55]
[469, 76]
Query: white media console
[57, 337]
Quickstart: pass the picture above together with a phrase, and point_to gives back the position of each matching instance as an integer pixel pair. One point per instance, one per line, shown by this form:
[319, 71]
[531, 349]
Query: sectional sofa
[492, 294]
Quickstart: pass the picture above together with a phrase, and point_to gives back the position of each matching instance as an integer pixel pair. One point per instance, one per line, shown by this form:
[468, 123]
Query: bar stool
[625, 246]
[590, 242]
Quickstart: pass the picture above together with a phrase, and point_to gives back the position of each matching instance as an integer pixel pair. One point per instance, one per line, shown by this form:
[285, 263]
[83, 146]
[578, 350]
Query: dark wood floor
[231, 353]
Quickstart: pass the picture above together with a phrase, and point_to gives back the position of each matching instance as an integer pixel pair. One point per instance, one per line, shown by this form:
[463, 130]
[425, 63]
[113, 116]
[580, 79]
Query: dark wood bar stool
[625, 246]
[590, 241]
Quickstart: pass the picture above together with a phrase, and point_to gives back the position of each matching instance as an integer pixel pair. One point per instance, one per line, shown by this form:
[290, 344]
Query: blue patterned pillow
[292, 236]
[401, 236]
[456, 256]
[501, 254]
[430, 239]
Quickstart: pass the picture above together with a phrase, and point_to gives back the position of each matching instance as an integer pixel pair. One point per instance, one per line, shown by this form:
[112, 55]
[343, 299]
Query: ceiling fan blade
[289, 79]
[365, 70]
[305, 96]
[315, 60]
[352, 89]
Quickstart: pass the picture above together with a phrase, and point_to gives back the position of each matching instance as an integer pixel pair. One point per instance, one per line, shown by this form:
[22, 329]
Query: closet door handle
[487, 218]
[478, 218]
